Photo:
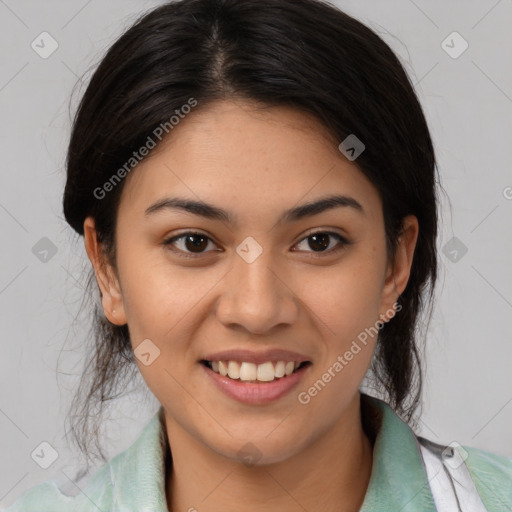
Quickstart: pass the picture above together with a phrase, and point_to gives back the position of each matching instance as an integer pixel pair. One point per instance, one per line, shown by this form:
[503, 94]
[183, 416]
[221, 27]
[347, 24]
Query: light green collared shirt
[134, 480]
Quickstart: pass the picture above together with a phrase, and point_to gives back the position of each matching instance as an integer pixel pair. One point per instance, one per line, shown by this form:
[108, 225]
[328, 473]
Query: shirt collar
[398, 478]
[138, 473]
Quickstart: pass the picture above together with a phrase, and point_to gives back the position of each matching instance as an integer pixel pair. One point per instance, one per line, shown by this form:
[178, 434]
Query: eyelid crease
[343, 241]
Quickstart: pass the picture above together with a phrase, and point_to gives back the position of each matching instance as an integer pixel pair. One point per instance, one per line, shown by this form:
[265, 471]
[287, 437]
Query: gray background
[468, 103]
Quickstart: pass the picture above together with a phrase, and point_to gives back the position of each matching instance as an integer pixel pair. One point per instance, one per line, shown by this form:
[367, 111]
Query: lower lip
[256, 393]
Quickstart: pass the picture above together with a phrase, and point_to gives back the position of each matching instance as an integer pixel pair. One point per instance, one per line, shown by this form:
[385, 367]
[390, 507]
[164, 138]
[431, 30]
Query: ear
[111, 296]
[399, 268]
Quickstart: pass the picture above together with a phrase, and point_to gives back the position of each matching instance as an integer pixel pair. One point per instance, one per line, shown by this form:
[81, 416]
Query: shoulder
[471, 470]
[43, 497]
[59, 496]
[492, 474]
[132, 480]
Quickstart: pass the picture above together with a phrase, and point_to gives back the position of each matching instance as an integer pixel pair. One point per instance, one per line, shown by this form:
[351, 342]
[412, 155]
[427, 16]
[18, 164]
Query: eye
[192, 244]
[319, 242]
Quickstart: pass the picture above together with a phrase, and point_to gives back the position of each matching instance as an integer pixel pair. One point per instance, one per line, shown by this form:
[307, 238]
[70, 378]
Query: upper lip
[250, 356]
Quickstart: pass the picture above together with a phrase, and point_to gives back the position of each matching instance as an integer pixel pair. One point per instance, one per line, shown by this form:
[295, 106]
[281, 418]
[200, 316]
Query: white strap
[450, 481]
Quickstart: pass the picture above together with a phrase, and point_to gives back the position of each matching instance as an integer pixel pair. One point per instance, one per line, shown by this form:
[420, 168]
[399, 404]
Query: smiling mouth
[251, 372]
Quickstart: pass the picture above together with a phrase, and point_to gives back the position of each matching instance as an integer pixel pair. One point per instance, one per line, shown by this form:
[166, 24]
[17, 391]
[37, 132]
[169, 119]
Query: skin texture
[256, 163]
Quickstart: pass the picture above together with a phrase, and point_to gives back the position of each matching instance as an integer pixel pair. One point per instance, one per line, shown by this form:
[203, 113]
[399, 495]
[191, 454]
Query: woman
[256, 187]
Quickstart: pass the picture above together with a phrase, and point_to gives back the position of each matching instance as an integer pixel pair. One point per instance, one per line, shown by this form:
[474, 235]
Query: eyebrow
[212, 212]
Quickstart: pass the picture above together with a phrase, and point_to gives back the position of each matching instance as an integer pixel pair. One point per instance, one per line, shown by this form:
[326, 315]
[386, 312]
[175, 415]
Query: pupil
[195, 245]
[322, 241]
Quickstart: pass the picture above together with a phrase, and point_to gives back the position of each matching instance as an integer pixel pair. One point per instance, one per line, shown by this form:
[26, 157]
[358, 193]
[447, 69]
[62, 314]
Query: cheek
[157, 295]
[347, 306]
[346, 298]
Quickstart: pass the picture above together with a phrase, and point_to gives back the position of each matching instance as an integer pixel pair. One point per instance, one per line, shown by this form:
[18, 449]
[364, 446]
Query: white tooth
[279, 369]
[288, 369]
[215, 366]
[248, 371]
[223, 369]
[266, 372]
[233, 370]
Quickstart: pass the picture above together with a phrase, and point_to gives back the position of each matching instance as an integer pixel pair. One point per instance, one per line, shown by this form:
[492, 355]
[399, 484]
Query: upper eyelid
[328, 231]
[314, 231]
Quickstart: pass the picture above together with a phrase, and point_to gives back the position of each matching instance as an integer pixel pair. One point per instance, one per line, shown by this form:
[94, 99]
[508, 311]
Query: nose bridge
[254, 295]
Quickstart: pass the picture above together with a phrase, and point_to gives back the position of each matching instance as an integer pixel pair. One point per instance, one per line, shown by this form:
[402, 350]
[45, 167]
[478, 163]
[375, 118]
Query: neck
[331, 474]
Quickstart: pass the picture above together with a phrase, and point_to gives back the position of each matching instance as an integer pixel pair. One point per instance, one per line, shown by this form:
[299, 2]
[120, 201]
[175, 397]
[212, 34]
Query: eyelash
[343, 242]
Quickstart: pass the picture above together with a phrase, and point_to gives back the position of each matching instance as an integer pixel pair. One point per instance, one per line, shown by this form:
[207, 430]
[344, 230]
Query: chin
[259, 450]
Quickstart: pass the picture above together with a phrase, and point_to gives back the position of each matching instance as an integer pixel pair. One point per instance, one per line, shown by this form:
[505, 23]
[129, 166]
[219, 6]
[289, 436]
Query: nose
[257, 296]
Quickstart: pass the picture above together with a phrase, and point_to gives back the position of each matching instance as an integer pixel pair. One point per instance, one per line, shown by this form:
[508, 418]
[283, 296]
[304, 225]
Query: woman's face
[255, 281]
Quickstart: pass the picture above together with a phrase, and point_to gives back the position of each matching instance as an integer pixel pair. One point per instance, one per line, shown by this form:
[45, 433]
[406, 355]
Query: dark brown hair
[305, 54]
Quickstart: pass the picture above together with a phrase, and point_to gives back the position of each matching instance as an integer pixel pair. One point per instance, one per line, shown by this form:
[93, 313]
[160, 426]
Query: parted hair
[305, 54]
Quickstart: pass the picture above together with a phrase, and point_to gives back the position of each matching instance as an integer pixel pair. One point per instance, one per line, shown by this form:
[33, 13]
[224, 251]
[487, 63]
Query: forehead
[257, 160]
